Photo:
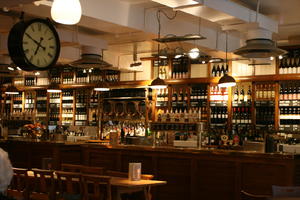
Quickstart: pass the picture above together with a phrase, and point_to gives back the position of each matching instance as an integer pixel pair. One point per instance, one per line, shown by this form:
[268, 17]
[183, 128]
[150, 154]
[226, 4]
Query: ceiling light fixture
[194, 53]
[11, 90]
[11, 68]
[163, 53]
[102, 87]
[280, 57]
[54, 88]
[159, 83]
[179, 52]
[66, 11]
[226, 80]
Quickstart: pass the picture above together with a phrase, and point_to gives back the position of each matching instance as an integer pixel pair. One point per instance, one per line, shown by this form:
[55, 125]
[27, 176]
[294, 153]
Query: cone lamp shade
[54, 88]
[11, 90]
[102, 87]
[158, 84]
[66, 11]
[226, 81]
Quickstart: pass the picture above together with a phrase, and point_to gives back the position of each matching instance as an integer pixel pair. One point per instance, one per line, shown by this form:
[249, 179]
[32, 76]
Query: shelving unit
[67, 107]
[81, 107]
[54, 108]
[42, 106]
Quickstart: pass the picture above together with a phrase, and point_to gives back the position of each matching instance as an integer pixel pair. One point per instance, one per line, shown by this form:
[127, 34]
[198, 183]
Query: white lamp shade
[66, 11]
[194, 53]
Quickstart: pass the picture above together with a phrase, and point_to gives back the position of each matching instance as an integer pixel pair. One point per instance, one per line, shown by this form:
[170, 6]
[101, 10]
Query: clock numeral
[50, 38]
[39, 27]
[24, 42]
[32, 28]
[38, 61]
[51, 47]
[50, 55]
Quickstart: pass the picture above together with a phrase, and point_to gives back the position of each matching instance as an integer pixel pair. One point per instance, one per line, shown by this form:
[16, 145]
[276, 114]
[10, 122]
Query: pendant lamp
[54, 88]
[11, 90]
[158, 83]
[66, 11]
[226, 80]
[102, 87]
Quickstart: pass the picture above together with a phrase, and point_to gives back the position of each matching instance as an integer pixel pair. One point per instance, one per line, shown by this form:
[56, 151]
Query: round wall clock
[34, 44]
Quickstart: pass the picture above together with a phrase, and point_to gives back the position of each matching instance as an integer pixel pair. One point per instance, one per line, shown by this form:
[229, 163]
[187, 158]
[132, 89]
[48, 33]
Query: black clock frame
[15, 45]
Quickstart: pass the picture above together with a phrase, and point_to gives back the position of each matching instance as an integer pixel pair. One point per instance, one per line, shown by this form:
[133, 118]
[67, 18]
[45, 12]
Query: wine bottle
[248, 96]
[236, 95]
[242, 93]
[214, 71]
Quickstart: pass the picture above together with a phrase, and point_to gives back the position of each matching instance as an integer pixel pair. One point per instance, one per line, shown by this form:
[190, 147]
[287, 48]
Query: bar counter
[190, 173]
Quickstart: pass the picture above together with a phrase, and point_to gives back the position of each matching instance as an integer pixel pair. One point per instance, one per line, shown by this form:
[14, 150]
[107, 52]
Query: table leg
[147, 192]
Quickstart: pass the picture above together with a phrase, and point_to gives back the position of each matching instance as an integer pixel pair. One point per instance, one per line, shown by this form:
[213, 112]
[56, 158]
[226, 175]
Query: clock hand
[32, 39]
[38, 46]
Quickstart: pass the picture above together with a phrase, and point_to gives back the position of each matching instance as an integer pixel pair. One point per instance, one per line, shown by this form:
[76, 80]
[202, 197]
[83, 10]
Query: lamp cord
[159, 29]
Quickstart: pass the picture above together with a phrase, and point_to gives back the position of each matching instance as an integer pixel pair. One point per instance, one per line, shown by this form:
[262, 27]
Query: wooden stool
[69, 184]
[96, 187]
[44, 185]
[18, 188]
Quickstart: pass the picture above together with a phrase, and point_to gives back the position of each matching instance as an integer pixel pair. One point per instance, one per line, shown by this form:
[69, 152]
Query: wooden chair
[96, 187]
[70, 167]
[69, 185]
[18, 188]
[44, 185]
[249, 196]
[92, 170]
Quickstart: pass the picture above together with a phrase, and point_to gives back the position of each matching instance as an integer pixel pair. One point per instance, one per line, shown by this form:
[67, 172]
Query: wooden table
[124, 185]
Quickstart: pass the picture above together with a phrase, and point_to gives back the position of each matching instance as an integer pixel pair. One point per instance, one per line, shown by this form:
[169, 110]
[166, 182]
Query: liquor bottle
[290, 93]
[174, 97]
[236, 95]
[185, 96]
[298, 92]
[242, 93]
[226, 70]
[285, 66]
[294, 92]
[298, 65]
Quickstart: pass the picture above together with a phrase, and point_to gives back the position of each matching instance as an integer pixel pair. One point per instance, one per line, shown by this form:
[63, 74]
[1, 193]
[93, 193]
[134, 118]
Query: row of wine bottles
[265, 91]
[289, 92]
[218, 94]
[179, 115]
[289, 65]
[218, 115]
[218, 70]
[241, 96]
[241, 115]
[265, 115]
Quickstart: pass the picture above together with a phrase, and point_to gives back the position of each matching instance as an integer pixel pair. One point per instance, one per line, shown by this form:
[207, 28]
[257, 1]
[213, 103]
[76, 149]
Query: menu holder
[134, 173]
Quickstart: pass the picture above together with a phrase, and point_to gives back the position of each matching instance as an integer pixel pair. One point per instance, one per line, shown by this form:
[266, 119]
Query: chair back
[125, 174]
[18, 187]
[70, 167]
[249, 196]
[92, 170]
[96, 187]
[69, 185]
[44, 185]
[285, 191]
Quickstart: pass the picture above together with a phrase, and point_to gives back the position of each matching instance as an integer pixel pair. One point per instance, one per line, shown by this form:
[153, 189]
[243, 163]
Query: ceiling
[121, 36]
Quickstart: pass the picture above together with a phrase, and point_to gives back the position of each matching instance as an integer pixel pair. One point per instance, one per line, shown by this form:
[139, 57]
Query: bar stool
[44, 185]
[18, 188]
[96, 187]
[69, 185]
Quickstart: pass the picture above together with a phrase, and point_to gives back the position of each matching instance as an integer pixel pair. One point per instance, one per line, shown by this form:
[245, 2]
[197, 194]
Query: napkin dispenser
[134, 173]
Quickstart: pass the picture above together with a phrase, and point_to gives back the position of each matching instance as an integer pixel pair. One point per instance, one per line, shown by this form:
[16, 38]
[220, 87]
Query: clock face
[40, 45]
